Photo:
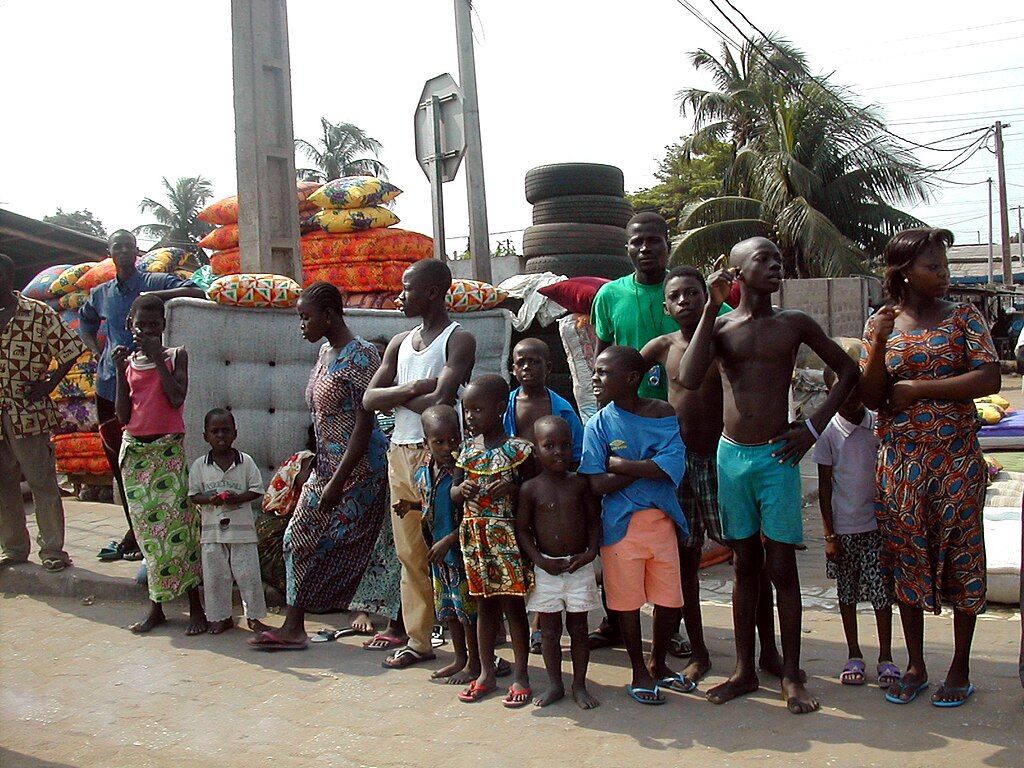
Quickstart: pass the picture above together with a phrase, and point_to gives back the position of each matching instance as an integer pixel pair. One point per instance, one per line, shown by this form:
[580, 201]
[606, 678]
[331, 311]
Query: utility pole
[990, 230]
[479, 244]
[1020, 237]
[1004, 222]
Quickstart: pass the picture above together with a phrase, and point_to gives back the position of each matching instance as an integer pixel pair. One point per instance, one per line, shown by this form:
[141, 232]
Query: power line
[950, 117]
[945, 48]
[937, 79]
[963, 93]
[932, 34]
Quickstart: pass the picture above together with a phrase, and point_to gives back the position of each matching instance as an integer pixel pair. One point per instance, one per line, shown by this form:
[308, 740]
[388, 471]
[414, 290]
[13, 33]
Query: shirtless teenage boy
[759, 480]
[558, 525]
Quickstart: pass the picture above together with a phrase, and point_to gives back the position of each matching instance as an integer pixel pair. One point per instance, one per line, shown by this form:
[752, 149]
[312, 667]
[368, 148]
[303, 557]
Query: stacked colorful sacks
[64, 292]
[225, 214]
[76, 439]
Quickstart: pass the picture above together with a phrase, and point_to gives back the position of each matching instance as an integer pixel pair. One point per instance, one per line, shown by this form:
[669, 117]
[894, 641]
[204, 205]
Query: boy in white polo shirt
[223, 483]
[846, 454]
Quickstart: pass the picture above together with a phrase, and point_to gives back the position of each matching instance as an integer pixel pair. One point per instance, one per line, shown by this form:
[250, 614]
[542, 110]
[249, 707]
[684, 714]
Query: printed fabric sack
[73, 300]
[388, 244]
[473, 296]
[255, 290]
[226, 211]
[38, 286]
[68, 279]
[354, 192]
[162, 260]
[222, 238]
[363, 277]
[354, 219]
[99, 274]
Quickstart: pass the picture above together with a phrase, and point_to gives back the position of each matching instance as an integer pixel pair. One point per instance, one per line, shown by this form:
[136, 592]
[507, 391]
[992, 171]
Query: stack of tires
[579, 219]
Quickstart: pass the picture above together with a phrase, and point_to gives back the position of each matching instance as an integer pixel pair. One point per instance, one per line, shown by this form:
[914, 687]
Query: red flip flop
[475, 692]
[516, 699]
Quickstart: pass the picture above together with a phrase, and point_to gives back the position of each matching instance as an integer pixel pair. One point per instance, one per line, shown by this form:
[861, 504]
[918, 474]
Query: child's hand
[330, 497]
[499, 489]
[404, 507]
[470, 489]
[578, 561]
[120, 355]
[229, 499]
[553, 566]
[797, 440]
[441, 548]
[151, 346]
[903, 393]
[720, 282]
[833, 551]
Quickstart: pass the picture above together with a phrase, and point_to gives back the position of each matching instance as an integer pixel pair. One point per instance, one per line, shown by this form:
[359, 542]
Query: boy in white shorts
[558, 526]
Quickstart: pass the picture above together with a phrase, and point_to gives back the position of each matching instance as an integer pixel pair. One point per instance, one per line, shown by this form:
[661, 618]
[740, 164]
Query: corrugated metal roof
[968, 264]
[33, 245]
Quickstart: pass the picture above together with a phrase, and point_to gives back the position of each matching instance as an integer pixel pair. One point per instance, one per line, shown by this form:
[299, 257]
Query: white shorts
[572, 592]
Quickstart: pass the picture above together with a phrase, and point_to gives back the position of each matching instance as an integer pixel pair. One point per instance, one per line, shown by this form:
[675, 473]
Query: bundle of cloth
[76, 440]
[348, 239]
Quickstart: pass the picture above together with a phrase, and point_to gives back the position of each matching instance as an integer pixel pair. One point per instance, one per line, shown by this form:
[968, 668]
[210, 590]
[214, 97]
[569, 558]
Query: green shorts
[757, 494]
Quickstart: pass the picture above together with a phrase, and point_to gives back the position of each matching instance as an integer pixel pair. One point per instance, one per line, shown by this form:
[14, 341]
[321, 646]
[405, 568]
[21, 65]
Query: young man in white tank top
[426, 366]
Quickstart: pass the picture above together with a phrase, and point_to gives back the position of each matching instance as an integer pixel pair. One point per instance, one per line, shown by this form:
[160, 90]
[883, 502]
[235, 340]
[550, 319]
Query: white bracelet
[811, 429]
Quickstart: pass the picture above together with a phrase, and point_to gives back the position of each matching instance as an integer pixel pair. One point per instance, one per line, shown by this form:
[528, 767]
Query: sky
[106, 98]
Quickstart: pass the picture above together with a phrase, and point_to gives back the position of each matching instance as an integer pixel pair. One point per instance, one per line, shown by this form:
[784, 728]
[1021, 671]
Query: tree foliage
[80, 221]
[824, 170]
[341, 151]
[684, 178]
[177, 222]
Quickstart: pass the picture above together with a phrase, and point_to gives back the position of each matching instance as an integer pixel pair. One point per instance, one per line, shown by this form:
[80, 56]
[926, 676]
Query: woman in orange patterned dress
[925, 360]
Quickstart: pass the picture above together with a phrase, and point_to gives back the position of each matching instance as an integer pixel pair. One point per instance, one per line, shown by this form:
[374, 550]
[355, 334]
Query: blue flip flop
[901, 687]
[678, 683]
[634, 694]
[965, 692]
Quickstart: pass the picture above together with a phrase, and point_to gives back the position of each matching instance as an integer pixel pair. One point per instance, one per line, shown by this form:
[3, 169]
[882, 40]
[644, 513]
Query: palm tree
[177, 221]
[813, 170]
[340, 154]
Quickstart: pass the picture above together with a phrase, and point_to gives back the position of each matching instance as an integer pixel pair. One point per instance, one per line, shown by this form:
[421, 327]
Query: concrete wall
[838, 304]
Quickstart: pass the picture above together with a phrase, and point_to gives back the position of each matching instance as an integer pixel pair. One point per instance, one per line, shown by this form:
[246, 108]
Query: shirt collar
[235, 461]
[848, 427]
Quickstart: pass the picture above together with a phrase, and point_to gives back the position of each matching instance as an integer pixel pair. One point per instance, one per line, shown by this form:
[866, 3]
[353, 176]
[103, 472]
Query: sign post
[440, 144]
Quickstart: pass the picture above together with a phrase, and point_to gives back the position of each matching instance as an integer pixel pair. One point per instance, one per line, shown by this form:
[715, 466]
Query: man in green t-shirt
[630, 311]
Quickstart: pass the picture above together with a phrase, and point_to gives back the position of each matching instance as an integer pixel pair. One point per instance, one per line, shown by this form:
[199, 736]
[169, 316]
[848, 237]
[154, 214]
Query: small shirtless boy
[634, 458]
[758, 455]
[558, 525]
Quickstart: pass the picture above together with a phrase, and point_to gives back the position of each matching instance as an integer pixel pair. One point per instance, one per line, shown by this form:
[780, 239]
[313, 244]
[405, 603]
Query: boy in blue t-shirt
[635, 459]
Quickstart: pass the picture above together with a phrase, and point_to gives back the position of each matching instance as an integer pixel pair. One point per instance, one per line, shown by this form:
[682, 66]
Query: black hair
[440, 415]
[324, 297]
[649, 217]
[432, 272]
[630, 358]
[492, 384]
[903, 249]
[539, 343]
[118, 232]
[551, 421]
[7, 268]
[147, 303]
[214, 412]
[686, 270]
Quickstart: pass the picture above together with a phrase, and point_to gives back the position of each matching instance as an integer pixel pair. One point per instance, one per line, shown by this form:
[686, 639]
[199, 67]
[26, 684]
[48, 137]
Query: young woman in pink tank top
[151, 385]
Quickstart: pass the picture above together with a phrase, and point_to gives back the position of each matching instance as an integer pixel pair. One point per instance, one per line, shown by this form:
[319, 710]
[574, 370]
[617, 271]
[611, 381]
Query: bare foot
[697, 668]
[550, 696]
[583, 698]
[734, 687]
[154, 619]
[361, 624]
[772, 664]
[217, 627]
[258, 626]
[447, 671]
[464, 676]
[798, 700]
[197, 625]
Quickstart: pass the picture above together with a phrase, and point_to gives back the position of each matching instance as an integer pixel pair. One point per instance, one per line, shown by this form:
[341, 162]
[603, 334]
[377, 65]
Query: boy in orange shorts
[634, 459]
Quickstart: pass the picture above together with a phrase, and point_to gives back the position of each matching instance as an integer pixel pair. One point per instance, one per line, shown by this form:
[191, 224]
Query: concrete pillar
[264, 145]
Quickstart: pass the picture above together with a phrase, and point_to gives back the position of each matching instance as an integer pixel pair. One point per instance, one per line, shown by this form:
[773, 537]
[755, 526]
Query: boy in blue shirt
[635, 458]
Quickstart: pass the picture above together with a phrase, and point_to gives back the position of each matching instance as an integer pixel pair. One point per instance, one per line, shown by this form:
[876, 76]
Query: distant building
[968, 264]
[34, 245]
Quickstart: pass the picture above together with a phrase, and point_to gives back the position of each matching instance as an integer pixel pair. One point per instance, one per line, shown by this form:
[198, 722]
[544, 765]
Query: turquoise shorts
[757, 494]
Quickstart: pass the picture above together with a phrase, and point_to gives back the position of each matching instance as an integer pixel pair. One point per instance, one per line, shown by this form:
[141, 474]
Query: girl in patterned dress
[925, 360]
[489, 470]
[337, 547]
[152, 381]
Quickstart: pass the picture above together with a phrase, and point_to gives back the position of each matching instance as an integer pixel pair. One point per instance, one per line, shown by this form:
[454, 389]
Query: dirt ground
[77, 689]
